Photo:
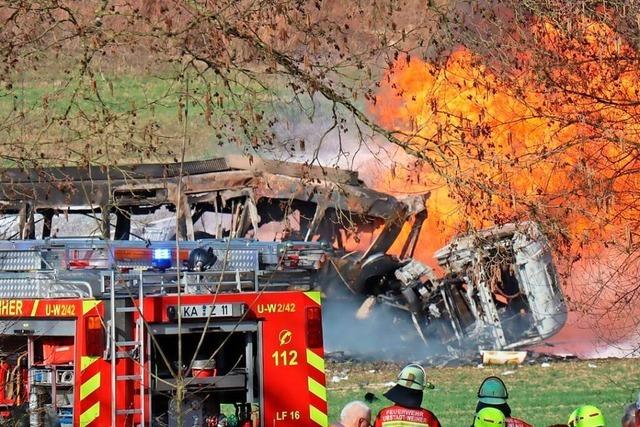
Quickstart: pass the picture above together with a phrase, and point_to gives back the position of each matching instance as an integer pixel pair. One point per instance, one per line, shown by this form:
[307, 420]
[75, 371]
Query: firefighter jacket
[516, 422]
[399, 416]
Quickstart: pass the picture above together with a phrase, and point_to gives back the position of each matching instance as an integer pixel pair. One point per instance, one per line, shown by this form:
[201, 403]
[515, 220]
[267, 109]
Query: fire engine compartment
[222, 373]
[37, 365]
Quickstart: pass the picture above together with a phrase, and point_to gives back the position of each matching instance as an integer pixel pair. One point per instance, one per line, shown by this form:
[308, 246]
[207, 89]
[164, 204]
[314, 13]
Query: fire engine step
[128, 411]
[126, 343]
[124, 355]
[129, 377]
[126, 309]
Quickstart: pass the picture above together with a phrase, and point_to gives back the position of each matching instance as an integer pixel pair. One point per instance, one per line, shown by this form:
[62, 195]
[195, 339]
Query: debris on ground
[501, 357]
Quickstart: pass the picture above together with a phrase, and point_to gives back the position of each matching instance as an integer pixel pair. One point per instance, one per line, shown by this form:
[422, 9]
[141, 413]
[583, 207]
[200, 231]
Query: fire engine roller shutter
[316, 378]
[90, 380]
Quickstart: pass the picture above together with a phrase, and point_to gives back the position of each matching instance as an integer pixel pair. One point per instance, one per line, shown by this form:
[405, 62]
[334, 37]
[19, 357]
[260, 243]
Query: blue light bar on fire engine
[161, 258]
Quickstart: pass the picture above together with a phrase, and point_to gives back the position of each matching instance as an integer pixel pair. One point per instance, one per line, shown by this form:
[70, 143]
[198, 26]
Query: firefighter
[493, 394]
[407, 398]
[489, 417]
[638, 411]
[355, 414]
[629, 416]
[586, 416]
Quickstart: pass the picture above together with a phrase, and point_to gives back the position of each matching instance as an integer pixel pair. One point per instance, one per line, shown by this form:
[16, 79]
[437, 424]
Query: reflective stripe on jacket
[399, 416]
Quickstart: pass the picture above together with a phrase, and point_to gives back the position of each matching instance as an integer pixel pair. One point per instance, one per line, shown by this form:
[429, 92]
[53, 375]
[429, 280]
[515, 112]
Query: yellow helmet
[489, 417]
[572, 418]
[587, 416]
[412, 376]
[409, 387]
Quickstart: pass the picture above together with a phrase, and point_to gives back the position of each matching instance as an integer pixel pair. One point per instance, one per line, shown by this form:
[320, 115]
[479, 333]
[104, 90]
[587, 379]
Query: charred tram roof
[136, 186]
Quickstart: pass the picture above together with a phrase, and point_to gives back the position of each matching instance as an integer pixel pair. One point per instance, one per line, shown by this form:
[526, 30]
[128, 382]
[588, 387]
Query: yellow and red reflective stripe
[318, 417]
[88, 416]
[316, 379]
[315, 361]
[88, 305]
[90, 382]
[314, 296]
[89, 386]
[318, 389]
[403, 424]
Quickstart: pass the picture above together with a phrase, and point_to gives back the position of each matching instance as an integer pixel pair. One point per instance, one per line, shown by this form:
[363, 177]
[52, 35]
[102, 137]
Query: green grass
[541, 396]
[130, 108]
[125, 105]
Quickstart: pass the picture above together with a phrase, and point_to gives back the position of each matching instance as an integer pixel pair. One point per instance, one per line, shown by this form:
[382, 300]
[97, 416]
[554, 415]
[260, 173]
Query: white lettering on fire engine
[276, 308]
[60, 310]
[285, 358]
[284, 415]
[10, 307]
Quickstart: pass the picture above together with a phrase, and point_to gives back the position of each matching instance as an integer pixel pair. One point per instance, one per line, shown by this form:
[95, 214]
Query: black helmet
[201, 259]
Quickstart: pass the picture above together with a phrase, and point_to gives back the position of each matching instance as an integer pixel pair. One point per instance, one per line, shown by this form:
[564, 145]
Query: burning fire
[554, 142]
[509, 146]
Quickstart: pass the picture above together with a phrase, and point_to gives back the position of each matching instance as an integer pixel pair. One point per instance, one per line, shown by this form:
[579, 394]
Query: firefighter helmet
[412, 376]
[201, 259]
[489, 417]
[409, 386]
[587, 416]
[493, 391]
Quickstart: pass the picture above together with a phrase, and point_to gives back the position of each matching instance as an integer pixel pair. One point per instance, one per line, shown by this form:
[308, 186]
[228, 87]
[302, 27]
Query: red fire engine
[139, 333]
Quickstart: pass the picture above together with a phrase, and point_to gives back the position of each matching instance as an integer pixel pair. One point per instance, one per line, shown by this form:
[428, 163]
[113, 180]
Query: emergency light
[94, 336]
[161, 258]
[146, 255]
[314, 327]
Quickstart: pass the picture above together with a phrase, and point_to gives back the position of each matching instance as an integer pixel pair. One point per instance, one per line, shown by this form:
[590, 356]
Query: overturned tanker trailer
[498, 289]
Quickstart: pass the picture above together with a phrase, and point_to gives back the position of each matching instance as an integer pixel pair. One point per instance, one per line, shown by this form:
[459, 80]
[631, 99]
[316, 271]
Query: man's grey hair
[347, 411]
[629, 416]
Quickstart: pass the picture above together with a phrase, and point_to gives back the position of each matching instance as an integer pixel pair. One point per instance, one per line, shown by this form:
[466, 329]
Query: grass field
[127, 106]
[542, 396]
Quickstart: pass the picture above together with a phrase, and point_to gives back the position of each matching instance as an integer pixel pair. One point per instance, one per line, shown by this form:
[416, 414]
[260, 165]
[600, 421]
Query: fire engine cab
[98, 332]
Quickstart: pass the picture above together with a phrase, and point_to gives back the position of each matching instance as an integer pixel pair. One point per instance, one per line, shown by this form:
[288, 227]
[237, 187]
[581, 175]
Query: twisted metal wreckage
[499, 288]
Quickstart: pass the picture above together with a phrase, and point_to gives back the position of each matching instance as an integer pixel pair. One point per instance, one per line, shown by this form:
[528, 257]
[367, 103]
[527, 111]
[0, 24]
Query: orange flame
[552, 141]
[509, 146]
